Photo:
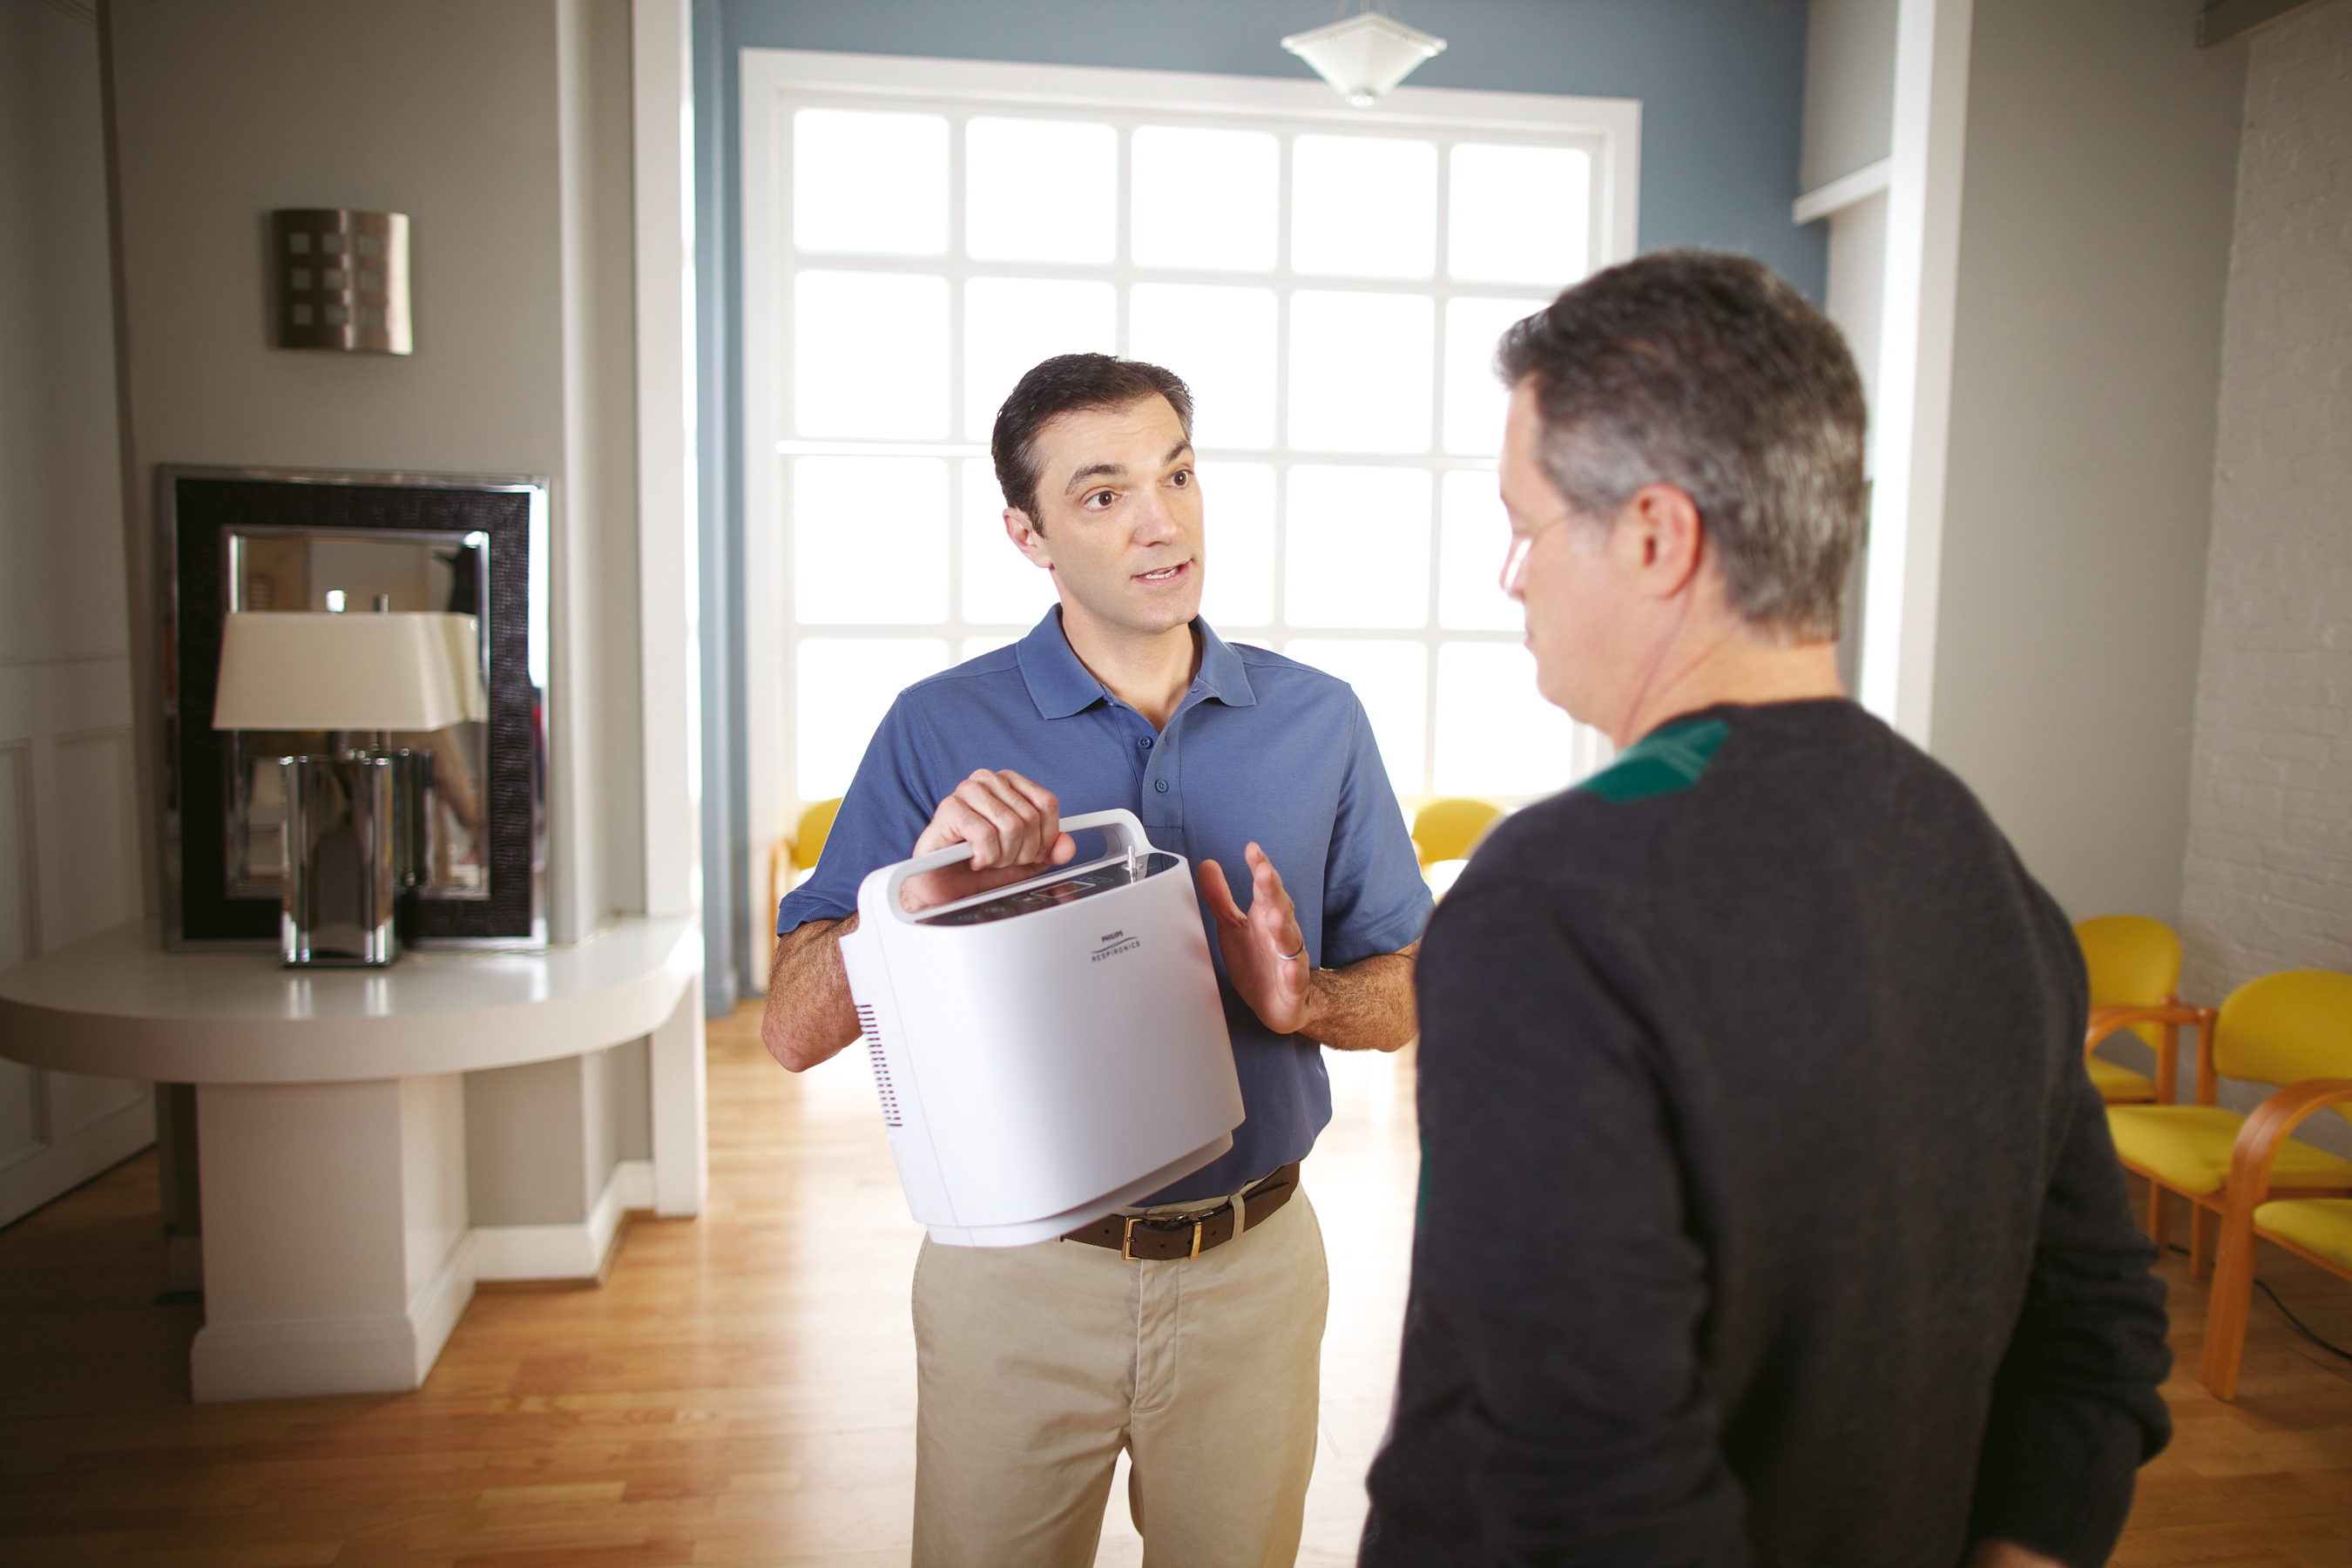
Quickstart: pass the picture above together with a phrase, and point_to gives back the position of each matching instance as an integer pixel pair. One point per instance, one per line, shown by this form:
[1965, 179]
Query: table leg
[337, 1255]
[680, 1091]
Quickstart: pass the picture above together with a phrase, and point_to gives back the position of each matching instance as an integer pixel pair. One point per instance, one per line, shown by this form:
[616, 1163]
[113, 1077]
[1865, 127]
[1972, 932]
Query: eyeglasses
[1515, 559]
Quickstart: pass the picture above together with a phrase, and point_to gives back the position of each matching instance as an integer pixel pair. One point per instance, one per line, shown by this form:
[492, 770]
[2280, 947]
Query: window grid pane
[1011, 323]
[1372, 334]
[872, 183]
[869, 541]
[1009, 163]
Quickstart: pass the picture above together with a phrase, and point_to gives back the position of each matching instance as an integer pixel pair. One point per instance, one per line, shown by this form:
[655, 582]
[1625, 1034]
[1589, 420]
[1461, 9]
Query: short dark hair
[1707, 372]
[1068, 383]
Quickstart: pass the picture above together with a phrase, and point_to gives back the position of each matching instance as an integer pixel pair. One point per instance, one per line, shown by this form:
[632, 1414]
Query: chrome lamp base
[344, 878]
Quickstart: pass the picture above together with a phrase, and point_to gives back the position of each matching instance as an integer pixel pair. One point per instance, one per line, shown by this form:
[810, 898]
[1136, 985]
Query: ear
[1660, 540]
[1026, 538]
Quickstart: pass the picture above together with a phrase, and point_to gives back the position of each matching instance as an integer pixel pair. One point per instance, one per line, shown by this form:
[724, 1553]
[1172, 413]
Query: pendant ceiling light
[1366, 54]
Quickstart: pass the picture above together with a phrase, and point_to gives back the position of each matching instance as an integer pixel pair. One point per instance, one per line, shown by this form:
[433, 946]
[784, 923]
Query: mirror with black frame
[250, 542]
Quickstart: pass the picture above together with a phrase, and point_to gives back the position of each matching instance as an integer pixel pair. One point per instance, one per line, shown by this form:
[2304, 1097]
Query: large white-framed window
[1330, 281]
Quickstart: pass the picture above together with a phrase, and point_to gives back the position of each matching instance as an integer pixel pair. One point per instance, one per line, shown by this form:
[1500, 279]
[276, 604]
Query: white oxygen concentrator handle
[1128, 827]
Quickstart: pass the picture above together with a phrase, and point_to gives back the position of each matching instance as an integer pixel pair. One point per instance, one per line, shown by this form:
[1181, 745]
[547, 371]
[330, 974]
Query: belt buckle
[1127, 1240]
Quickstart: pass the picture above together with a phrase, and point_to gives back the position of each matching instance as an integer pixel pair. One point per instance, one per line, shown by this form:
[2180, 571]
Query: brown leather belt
[1157, 1238]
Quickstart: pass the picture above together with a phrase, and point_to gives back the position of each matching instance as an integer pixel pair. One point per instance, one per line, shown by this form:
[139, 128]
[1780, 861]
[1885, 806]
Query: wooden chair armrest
[2257, 1148]
[2251, 1160]
[2105, 1021]
[2171, 1013]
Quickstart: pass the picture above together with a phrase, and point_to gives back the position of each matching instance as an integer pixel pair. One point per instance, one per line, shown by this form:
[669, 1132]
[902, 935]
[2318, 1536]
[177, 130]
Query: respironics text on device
[1046, 1052]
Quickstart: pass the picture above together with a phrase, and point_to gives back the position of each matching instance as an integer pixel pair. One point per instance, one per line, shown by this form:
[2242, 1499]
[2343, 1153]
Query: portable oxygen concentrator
[1049, 1051]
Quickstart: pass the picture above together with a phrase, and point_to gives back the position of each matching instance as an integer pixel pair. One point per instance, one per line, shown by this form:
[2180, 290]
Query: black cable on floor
[2301, 1328]
[2330, 1346]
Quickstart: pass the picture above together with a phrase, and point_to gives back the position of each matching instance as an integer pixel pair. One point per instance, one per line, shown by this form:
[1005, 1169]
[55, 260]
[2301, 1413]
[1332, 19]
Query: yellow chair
[1450, 829]
[797, 851]
[2134, 964]
[2280, 1029]
[2318, 1229]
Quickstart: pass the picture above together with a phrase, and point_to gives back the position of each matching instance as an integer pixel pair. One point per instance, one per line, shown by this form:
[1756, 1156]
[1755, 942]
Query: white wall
[2099, 167]
[70, 863]
[2268, 869]
[501, 127]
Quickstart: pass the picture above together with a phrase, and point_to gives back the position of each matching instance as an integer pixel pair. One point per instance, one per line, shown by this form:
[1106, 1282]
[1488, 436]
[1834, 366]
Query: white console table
[338, 1250]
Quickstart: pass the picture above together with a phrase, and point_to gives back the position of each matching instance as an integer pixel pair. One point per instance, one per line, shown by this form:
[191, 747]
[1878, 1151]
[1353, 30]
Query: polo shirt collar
[1223, 674]
[1060, 686]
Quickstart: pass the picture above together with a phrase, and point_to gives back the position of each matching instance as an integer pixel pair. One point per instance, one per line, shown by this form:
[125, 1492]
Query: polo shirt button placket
[1159, 806]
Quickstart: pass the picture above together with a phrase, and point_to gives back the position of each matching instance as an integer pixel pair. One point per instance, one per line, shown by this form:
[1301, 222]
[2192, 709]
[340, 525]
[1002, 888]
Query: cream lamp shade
[301, 670]
[1364, 56]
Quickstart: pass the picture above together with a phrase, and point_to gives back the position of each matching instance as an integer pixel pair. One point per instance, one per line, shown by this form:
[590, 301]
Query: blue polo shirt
[1261, 749]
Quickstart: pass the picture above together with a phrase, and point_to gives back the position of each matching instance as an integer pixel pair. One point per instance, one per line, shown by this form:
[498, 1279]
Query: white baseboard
[62, 1166]
[292, 1358]
[435, 1308]
[564, 1251]
[391, 1352]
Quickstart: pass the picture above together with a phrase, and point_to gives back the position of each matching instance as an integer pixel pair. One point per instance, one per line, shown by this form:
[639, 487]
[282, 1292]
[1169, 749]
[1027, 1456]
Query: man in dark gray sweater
[1768, 1214]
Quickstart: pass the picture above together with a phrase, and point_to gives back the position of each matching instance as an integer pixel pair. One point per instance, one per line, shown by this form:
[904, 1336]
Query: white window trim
[774, 80]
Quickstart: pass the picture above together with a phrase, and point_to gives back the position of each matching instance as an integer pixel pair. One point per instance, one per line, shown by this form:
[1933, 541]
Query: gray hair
[1707, 372]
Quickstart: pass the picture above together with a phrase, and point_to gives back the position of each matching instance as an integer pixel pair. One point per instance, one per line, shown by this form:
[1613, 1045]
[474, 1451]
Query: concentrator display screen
[1066, 890]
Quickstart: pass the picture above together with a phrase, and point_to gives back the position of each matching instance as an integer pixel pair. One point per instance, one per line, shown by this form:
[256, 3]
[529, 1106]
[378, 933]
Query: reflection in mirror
[292, 569]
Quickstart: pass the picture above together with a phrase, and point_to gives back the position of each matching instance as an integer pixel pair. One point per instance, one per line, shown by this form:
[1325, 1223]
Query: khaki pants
[1038, 1364]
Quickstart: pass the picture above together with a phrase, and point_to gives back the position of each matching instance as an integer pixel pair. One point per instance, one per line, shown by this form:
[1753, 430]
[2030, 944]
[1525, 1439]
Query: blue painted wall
[1722, 82]
[1722, 88]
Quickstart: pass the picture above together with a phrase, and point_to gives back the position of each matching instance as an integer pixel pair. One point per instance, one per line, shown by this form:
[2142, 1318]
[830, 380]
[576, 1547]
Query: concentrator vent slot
[873, 1033]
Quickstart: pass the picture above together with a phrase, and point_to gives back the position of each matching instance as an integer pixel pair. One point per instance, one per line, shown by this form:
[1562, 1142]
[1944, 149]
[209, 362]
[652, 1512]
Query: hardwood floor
[741, 1389]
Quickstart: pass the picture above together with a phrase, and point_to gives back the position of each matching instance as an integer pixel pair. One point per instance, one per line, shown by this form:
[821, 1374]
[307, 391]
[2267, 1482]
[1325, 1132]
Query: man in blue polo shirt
[1038, 1364]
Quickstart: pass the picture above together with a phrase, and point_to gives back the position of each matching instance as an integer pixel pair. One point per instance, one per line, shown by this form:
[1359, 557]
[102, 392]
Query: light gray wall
[541, 1139]
[1849, 88]
[60, 515]
[501, 128]
[2095, 239]
[629, 1095]
[525, 1163]
[597, 604]
[2269, 862]
[70, 833]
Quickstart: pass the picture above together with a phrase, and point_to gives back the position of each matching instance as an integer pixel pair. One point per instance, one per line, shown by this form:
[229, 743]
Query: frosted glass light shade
[301, 670]
[1364, 56]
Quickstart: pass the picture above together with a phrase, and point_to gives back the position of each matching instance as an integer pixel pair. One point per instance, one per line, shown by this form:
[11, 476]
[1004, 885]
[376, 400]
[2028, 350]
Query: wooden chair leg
[2156, 1217]
[2227, 1306]
[2202, 1223]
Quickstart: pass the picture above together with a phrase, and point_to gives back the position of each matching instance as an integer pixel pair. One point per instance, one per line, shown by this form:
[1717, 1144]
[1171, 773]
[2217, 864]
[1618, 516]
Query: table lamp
[357, 815]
